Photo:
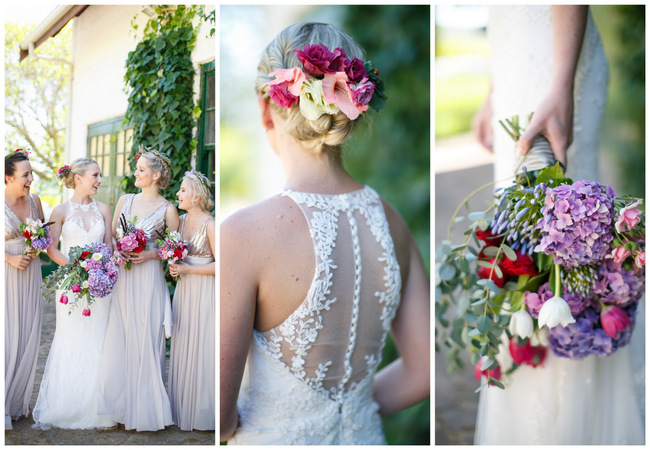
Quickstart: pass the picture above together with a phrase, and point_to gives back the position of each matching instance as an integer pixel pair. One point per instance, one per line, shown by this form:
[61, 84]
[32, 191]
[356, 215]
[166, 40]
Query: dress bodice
[153, 225]
[325, 354]
[84, 225]
[12, 221]
[199, 245]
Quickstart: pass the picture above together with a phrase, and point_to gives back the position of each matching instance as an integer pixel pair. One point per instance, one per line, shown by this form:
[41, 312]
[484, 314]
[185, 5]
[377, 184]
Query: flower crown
[20, 151]
[329, 83]
[63, 172]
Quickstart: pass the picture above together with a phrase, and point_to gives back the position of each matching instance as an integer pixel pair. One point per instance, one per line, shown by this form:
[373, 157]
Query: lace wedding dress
[594, 400]
[309, 380]
[68, 394]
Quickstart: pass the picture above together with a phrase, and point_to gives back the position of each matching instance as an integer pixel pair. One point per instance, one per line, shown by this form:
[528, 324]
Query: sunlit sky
[26, 12]
[461, 16]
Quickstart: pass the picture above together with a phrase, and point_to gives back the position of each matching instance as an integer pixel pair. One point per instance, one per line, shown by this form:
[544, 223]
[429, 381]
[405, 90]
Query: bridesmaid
[192, 364]
[131, 385]
[22, 289]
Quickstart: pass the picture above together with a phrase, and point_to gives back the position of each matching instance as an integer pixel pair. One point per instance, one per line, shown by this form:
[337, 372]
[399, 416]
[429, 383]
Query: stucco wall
[102, 39]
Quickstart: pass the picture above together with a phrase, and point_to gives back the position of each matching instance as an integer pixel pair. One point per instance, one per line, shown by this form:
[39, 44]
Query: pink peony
[76, 288]
[85, 312]
[282, 97]
[628, 216]
[639, 260]
[64, 299]
[613, 320]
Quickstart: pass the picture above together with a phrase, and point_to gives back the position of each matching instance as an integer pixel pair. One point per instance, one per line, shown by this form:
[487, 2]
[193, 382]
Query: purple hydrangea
[99, 283]
[617, 286]
[41, 243]
[586, 336]
[104, 249]
[577, 225]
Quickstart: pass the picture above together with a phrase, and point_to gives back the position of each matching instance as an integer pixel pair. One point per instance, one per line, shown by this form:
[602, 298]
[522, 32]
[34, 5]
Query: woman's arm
[238, 297]
[553, 118]
[58, 217]
[406, 381]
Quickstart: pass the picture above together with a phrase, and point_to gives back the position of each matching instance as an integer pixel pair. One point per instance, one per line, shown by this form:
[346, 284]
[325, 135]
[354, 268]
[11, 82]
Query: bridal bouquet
[130, 238]
[552, 263]
[91, 273]
[36, 234]
[171, 247]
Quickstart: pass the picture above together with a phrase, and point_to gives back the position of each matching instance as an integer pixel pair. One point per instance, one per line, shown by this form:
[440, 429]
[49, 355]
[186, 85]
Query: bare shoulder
[262, 221]
[103, 208]
[36, 199]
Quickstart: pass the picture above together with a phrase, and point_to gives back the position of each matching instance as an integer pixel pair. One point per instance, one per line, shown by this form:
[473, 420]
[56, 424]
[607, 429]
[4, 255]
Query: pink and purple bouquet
[328, 83]
[90, 274]
[36, 234]
[552, 264]
[171, 247]
[130, 238]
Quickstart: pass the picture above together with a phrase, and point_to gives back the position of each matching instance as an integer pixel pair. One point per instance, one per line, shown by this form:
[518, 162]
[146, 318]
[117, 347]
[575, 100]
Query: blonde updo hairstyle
[329, 131]
[158, 163]
[199, 186]
[77, 167]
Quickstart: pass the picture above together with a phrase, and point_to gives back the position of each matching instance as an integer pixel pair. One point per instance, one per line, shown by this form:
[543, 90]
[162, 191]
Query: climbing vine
[160, 75]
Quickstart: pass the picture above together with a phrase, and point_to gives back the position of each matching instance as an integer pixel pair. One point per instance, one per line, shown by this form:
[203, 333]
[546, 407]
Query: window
[110, 146]
[205, 155]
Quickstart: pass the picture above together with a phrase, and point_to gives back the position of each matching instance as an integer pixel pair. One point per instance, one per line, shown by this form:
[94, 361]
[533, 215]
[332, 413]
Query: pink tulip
[613, 320]
[85, 312]
[76, 288]
[494, 373]
[64, 299]
[639, 260]
[629, 216]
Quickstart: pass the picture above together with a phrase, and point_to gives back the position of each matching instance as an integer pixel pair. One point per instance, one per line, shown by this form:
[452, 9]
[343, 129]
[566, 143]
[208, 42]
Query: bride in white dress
[312, 281]
[541, 63]
[68, 393]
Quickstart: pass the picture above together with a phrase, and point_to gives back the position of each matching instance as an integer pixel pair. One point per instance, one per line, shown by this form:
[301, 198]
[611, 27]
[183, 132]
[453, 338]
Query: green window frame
[110, 146]
[205, 155]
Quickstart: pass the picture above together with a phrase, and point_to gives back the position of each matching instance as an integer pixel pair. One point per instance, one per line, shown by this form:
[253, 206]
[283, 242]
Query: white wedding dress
[595, 400]
[309, 380]
[68, 393]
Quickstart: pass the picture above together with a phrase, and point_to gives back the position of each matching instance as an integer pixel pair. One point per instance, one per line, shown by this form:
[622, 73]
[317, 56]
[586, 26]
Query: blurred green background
[459, 92]
[390, 151]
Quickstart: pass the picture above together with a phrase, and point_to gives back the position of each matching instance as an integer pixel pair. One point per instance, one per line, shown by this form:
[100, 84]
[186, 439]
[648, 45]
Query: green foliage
[161, 77]
[35, 100]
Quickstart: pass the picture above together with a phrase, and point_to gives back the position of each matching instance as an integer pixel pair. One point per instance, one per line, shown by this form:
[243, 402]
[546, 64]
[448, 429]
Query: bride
[313, 279]
[550, 60]
[68, 393]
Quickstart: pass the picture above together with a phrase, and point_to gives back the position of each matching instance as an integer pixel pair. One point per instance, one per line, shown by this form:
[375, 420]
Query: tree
[35, 99]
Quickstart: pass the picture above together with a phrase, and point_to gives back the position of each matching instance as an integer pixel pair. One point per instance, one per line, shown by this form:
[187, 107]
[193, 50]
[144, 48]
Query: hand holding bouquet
[37, 234]
[91, 273]
[552, 263]
[130, 238]
[171, 247]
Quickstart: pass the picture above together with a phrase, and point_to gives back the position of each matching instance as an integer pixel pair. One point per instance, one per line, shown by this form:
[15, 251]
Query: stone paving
[23, 433]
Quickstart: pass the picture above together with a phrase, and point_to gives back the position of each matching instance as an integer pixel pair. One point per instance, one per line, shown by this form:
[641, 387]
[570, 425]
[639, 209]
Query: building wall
[102, 38]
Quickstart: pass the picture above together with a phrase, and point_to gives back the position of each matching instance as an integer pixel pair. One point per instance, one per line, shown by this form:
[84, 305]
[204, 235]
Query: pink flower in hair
[336, 91]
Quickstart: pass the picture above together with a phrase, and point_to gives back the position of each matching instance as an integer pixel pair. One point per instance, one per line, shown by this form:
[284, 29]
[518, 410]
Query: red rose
[138, 249]
[85, 255]
[484, 272]
[523, 265]
[488, 237]
[527, 354]
[178, 253]
[27, 234]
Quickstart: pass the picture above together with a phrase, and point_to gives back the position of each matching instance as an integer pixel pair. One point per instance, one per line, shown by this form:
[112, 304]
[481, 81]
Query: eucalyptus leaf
[447, 272]
[510, 253]
[483, 324]
[491, 251]
[474, 216]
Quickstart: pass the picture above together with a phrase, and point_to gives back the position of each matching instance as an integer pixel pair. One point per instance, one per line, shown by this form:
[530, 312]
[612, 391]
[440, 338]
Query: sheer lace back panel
[333, 341]
[84, 224]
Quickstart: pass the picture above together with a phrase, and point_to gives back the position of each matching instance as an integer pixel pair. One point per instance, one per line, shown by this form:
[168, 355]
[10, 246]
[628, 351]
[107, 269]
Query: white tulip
[521, 324]
[554, 312]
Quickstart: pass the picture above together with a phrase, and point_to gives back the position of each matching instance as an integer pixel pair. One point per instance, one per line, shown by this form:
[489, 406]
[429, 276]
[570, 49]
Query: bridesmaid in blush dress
[22, 289]
[131, 386]
[192, 364]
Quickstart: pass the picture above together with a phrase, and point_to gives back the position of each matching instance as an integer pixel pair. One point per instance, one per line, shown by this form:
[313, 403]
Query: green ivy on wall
[160, 74]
